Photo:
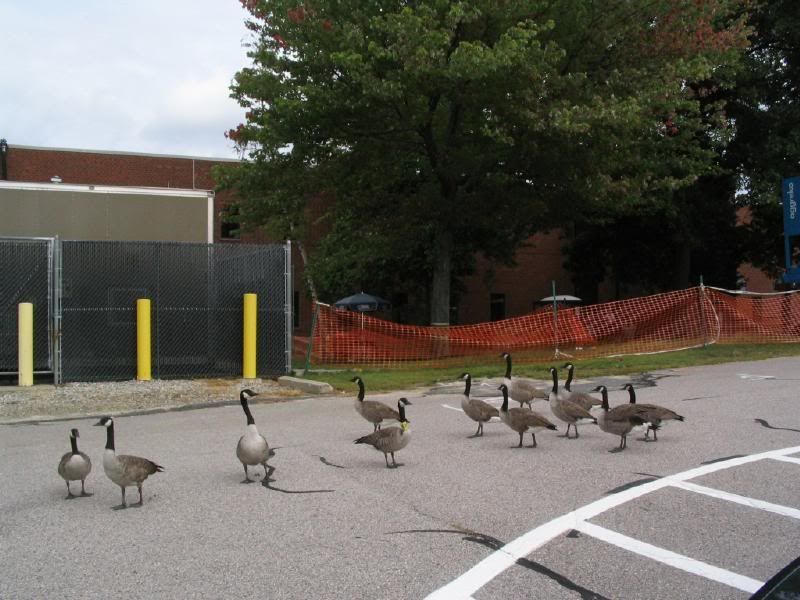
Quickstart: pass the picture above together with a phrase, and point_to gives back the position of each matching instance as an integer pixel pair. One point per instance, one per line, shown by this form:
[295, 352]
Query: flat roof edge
[104, 189]
[124, 153]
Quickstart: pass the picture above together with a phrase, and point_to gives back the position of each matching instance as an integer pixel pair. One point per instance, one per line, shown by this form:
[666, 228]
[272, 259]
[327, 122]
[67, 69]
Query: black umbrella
[362, 302]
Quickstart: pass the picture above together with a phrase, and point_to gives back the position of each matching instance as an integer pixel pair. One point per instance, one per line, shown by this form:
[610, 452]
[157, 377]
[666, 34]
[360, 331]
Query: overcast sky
[140, 76]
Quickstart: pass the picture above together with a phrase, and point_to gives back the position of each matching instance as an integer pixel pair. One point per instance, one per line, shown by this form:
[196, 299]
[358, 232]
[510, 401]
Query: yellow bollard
[143, 359]
[249, 336]
[25, 343]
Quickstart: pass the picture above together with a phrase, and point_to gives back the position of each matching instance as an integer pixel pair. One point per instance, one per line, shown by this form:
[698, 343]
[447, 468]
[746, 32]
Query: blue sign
[791, 225]
[791, 217]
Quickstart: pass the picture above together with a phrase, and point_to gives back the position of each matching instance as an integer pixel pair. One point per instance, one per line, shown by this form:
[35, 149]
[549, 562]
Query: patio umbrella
[362, 302]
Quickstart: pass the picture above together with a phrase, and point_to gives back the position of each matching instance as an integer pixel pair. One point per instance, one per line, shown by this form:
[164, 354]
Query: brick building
[493, 292]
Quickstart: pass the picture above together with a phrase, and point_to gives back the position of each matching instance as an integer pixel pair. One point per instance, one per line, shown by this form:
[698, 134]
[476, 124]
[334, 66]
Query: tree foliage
[431, 130]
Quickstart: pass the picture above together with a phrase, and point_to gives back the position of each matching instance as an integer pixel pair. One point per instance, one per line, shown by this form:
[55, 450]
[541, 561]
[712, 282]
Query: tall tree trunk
[442, 268]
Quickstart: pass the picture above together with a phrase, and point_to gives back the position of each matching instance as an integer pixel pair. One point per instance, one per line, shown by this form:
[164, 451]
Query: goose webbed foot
[268, 471]
[617, 449]
[248, 480]
[86, 494]
[533, 445]
[70, 496]
[119, 507]
[138, 504]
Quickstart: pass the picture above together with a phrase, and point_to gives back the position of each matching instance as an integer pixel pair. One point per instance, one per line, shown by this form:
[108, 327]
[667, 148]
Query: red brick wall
[538, 264]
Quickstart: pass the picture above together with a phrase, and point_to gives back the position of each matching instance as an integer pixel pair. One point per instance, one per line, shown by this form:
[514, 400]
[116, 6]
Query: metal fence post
[288, 304]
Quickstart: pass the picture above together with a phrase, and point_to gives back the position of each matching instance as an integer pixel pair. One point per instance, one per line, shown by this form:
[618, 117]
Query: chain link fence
[26, 267]
[196, 293]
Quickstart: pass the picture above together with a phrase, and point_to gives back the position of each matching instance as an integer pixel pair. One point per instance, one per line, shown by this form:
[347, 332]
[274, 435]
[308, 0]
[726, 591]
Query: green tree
[766, 111]
[438, 128]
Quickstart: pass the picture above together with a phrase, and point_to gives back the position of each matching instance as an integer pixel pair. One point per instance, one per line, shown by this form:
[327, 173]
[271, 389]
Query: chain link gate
[26, 275]
[196, 293]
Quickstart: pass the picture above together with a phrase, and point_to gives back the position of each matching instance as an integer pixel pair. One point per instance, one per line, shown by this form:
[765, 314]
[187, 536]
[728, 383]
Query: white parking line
[789, 459]
[744, 500]
[673, 559]
[493, 565]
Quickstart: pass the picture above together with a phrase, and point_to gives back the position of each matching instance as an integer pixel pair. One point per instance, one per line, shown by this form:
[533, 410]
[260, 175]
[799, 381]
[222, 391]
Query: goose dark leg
[575, 426]
[533, 435]
[141, 501]
[83, 488]
[268, 471]
[566, 435]
[386, 458]
[477, 431]
[70, 495]
[622, 443]
[375, 427]
[246, 476]
[520, 441]
[655, 435]
[124, 504]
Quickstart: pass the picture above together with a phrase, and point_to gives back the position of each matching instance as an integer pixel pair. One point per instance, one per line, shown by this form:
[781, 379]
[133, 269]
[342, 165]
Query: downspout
[3, 163]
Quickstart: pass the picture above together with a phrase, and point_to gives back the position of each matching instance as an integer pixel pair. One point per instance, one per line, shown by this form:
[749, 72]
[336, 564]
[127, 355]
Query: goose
[124, 470]
[391, 439]
[523, 391]
[477, 410]
[252, 448]
[565, 410]
[582, 399]
[655, 413]
[619, 420]
[522, 419]
[373, 411]
[74, 466]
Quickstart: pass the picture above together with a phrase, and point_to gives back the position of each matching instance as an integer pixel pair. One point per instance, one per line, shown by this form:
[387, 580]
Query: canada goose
[74, 466]
[655, 414]
[522, 419]
[373, 411]
[523, 391]
[252, 448]
[391, 439]
[565, 410]
[582, 399]
[477, 410]
[619, 420]
[124, 470]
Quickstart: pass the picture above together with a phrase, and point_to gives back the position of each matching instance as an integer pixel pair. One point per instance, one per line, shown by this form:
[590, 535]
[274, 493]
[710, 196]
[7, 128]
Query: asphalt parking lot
[711, 510]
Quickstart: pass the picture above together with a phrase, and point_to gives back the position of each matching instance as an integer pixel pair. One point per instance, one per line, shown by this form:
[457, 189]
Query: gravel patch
[80, 400]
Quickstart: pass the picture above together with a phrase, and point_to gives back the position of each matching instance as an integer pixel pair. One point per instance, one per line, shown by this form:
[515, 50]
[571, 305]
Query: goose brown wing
[137, 468]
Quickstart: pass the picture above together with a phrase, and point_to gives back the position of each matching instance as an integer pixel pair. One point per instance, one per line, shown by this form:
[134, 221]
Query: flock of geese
[572, 408]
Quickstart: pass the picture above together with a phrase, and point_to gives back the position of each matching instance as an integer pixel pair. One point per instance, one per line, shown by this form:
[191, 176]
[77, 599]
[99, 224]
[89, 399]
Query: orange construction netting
[661, 322]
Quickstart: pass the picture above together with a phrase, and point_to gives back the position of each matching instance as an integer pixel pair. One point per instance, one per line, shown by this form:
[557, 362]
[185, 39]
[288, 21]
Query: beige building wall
[80, 212]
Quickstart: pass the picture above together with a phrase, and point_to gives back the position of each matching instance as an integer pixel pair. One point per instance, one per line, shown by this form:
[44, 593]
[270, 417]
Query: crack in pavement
[495, 544]
[765, 423]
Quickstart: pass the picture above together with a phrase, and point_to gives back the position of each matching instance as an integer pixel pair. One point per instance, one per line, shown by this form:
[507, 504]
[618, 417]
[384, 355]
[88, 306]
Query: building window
[497, 307]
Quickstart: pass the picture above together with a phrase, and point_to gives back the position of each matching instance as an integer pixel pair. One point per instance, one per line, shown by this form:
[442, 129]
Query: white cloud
[146, 76]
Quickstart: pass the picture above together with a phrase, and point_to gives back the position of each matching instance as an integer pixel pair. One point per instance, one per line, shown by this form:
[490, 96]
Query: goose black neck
[604, 394]
[360, 390]
[402, 410]
[632, 394]
[568, 382]
[109, 437]
[246, 409]
[504, 407]
[74, 443]
[508, 367]
[554, 373]
[467, 385]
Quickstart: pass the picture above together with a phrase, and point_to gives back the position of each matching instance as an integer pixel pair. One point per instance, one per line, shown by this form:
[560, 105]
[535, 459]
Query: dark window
[229, 225]
[497, 307]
